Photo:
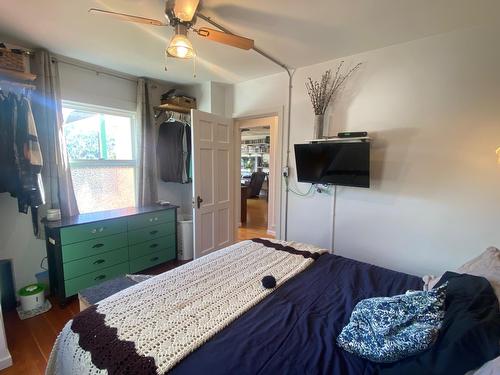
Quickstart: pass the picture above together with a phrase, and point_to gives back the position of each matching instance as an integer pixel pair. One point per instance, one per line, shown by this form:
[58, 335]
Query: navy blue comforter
[293, 331]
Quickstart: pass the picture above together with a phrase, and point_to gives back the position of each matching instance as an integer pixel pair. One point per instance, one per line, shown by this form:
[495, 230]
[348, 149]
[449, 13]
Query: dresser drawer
[152, 218]
[151, 246]
[151, 260]
[97, 229]
[149, 233]
[73, 286]
[96, 246]
[94, 263]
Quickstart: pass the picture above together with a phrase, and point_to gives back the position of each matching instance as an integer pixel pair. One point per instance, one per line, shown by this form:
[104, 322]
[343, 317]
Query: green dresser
[88, 249]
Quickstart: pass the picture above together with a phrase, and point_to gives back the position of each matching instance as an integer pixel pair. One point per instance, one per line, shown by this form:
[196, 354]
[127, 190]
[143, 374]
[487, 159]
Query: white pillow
[489, 368]
[486, 265]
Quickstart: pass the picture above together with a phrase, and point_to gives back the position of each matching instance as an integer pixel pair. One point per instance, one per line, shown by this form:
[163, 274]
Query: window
[102, 153]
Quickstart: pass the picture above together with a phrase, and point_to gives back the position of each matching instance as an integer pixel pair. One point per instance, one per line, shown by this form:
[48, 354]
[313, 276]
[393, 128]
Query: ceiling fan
[182, 15]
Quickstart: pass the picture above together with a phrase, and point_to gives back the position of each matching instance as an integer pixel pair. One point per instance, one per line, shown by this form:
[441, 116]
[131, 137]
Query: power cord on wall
[334, 209]
[42, 266]
[313, 188]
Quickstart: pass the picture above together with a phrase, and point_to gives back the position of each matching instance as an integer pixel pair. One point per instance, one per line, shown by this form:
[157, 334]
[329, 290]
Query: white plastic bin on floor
[184, 237]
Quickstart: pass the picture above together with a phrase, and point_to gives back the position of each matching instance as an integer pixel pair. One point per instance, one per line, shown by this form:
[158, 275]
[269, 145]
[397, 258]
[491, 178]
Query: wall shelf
[339, 139]
[173, 107]
[13, 75]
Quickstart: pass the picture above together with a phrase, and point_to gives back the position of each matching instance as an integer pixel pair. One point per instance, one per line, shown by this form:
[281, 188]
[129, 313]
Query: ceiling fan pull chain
[194, 66]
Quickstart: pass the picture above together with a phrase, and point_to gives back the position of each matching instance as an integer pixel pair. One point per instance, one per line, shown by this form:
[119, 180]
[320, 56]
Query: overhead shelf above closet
[16, 75]
[172, 107]
[15, 78]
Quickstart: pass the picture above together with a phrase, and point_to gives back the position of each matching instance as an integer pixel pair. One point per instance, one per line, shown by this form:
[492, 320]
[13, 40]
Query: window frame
[106, 163]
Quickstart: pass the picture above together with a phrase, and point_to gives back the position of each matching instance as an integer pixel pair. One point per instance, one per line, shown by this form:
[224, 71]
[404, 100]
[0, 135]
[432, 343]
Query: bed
[290, 329]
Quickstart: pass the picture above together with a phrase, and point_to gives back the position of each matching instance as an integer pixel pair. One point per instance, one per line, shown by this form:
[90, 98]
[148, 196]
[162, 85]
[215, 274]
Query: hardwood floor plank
[43, 334]
[26, 357]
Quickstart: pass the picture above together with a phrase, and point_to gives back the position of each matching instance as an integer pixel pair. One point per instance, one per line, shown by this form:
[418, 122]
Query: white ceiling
[298, 32]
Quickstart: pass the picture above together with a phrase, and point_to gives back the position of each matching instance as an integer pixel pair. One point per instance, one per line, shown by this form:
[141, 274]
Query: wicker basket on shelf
[12, 60]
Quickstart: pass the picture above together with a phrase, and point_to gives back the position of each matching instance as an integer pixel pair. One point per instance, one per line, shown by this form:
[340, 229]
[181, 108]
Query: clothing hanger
[17, 88]
[172, 116]
[12, 84]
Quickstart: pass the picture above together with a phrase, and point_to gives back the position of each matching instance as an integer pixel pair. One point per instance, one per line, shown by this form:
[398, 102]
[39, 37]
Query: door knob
[198, 201]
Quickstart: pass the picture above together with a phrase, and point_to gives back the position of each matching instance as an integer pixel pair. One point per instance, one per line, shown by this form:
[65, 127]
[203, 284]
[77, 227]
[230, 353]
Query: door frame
[279, 194]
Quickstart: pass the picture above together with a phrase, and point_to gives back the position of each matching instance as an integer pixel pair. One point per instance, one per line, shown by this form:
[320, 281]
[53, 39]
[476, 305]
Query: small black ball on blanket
[268, 282]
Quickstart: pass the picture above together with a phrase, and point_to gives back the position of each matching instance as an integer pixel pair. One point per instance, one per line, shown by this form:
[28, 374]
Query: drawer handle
[151, 219]
[154, 259]
[101, 229]
[100, 277]
[156, 219]
[97, 245]
[153, 232]
[95, 230]
[99, 261]
[153, 245]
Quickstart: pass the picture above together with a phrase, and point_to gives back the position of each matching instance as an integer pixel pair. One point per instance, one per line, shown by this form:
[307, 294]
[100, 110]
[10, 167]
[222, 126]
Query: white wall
[432, 106]
[212, 97]
[17, 242]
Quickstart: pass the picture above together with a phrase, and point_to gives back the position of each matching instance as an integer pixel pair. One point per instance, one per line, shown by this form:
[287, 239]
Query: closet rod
[81, 66]
[12, 83]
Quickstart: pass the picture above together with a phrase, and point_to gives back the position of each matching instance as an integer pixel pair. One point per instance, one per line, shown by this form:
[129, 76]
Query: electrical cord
[41, 264]
[327, 189]
[299, 193]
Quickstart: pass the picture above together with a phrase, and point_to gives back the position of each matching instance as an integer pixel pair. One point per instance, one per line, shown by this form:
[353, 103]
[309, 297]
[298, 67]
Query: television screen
[336, 163]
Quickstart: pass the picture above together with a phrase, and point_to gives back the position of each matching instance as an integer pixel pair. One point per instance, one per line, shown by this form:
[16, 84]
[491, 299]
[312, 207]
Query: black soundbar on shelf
[352, 134]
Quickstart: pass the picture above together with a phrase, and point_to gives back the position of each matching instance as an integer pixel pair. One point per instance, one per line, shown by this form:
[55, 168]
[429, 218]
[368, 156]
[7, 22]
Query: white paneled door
[213, 195]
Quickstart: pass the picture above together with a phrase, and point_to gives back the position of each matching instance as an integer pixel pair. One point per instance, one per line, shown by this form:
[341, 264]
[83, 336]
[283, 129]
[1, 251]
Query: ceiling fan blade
[225, 38]
[127, 17]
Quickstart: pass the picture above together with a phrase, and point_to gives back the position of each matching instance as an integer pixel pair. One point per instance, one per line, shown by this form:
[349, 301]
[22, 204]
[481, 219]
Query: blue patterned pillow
[387, 329]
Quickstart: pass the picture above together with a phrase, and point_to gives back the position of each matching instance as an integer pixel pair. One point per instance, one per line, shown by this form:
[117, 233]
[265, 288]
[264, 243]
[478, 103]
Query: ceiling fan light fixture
[180, 47]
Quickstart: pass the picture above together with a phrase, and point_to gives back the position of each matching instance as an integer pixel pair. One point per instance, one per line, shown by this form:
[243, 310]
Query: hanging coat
[20, 155]
[170, 150]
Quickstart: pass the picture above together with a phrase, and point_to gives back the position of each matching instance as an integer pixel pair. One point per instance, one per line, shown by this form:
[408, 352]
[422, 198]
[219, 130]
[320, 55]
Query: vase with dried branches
[324, 92]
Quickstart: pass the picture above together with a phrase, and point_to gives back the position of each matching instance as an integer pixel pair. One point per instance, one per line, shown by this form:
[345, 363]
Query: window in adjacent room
[101, 144]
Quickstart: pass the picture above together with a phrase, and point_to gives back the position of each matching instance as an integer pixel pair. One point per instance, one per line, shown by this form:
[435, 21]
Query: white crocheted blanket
[153, 325]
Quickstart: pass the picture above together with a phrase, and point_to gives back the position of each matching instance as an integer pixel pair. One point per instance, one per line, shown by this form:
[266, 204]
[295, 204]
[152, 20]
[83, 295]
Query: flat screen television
[336, 163]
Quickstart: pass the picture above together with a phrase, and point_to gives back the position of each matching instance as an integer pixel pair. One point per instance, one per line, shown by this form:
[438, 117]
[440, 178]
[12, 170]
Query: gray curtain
[148, 169]
[47, 111]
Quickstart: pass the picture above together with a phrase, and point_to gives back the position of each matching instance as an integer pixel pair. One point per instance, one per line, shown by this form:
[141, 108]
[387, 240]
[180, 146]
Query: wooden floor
[30, 341]
[256, 225]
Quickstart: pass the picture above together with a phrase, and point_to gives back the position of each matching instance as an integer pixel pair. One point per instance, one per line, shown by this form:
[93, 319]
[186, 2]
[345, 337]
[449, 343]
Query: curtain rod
[81, 66]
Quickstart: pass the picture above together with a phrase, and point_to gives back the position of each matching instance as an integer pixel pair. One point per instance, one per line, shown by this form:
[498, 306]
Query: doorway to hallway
[257, 184]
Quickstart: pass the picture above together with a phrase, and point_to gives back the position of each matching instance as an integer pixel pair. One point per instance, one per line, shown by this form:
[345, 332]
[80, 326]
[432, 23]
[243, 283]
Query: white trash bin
[184, 237]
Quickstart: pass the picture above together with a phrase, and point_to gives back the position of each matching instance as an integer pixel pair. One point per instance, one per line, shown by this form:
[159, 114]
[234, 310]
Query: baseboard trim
[5, 362]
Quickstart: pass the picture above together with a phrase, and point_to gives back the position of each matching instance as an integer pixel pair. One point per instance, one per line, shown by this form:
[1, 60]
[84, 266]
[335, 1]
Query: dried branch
[322, 93]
